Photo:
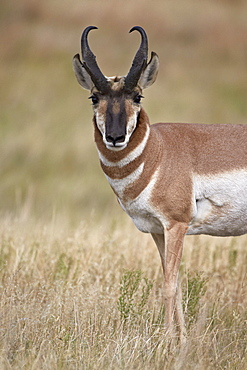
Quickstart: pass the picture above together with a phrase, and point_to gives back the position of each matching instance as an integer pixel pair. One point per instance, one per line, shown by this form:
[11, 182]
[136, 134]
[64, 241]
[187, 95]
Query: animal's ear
[81, 74]
[149, 74]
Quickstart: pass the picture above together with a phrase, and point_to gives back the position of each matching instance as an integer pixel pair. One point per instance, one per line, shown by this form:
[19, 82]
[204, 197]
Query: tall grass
[81, 288]
[76, 300]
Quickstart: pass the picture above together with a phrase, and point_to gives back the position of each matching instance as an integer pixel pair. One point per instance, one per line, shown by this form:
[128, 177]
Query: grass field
[81, 288]
[92, 299]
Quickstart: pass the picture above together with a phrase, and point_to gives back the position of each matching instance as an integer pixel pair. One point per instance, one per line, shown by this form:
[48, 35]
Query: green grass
[71, 264]
[134, 293]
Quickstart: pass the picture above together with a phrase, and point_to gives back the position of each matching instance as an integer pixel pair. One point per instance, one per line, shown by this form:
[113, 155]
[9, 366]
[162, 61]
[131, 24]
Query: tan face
[116, 113]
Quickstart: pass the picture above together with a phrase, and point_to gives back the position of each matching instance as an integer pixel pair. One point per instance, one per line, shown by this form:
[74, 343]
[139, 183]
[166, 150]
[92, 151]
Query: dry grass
[60, 301]
[65, 245]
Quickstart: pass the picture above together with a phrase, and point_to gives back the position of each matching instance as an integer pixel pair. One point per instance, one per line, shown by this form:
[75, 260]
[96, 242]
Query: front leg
[170, 246]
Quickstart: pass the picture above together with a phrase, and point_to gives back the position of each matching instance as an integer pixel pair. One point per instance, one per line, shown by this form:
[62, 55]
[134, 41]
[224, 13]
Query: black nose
[115, 139]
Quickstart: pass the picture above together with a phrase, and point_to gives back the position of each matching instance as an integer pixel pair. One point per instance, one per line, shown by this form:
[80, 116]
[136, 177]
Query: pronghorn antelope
[172, 179]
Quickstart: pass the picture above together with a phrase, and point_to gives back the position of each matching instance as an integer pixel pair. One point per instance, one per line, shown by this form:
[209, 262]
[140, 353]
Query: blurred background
[48, 162]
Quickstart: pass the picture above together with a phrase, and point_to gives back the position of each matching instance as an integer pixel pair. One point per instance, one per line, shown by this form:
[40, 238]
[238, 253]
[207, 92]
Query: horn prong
[139, 62]
[89, 61]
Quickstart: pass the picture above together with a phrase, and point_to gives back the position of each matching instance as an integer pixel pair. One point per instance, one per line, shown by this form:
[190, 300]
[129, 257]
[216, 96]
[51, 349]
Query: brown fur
[207, 149]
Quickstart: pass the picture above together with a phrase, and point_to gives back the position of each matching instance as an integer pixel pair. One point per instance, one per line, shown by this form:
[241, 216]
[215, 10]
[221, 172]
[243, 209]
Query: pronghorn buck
[172, 179]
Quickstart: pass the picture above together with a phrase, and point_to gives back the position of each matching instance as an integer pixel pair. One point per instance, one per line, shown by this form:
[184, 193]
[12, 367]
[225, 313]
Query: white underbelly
[220, 205]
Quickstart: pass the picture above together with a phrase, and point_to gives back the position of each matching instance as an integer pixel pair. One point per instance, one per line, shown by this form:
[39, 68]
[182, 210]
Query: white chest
[141, 210]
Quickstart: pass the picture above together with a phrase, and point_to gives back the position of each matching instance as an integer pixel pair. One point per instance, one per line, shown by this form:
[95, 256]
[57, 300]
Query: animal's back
[210, 148]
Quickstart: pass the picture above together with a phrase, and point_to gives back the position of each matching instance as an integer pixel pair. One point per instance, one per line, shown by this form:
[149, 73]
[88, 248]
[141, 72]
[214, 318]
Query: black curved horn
[90, 64]
[139, 62]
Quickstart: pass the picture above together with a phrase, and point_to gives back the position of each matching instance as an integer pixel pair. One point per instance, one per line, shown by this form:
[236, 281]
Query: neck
[129, 170]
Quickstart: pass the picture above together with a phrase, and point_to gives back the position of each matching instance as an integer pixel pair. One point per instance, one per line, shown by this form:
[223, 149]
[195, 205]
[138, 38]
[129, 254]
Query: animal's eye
[94, 99]
[137, 99]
